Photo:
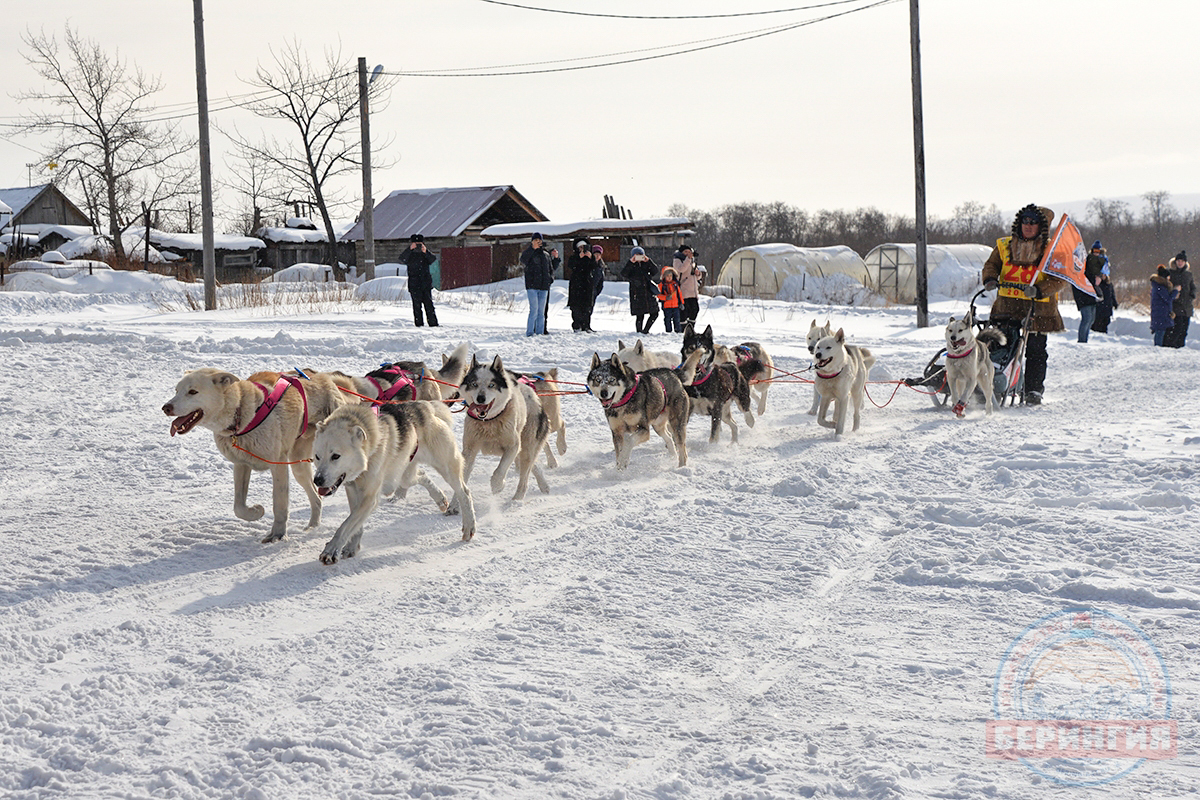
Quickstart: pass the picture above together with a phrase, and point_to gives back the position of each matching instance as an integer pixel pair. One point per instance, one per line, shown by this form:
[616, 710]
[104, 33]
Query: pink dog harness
[271, 399]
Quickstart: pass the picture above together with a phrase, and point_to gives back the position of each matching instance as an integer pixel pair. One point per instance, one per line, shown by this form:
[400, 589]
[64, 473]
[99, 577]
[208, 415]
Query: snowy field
[790, 617]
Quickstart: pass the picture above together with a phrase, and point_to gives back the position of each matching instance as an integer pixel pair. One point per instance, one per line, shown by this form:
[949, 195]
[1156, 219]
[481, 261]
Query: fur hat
[416, 237]
[1040, 215]
[669, 272]
[637, 251]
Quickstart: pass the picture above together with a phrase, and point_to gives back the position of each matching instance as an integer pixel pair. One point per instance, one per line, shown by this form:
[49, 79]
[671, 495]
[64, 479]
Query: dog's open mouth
[185, 423]
[325, 491]
[824, 362]
[958, 343]
[479, 410]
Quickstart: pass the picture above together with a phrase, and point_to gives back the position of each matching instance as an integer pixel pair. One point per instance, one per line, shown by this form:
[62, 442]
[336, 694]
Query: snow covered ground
[790, 617]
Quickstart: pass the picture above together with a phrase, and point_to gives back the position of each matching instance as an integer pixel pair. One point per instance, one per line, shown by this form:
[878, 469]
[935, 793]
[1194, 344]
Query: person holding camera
[643, 292]
[684, 264]
[539, 274]
[418, 260]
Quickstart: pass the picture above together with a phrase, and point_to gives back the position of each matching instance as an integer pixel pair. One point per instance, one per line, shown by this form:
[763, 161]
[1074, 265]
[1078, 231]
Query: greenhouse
[953, 270]
[788, 272]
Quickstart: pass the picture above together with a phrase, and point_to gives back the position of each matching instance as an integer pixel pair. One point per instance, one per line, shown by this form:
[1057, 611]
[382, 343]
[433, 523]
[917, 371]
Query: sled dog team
[372, 434]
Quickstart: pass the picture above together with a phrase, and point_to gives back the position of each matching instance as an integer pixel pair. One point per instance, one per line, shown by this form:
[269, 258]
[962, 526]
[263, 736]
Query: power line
[684, 16]
[691, 48]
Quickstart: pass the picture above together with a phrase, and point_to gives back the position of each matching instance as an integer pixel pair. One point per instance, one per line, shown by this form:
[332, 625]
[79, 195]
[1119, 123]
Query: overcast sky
[1024, 100]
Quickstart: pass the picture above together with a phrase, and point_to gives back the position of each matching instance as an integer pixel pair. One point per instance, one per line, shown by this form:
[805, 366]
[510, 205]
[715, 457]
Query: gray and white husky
[504, 418]
[968, 363]
[716, 387]
[636, 402]
[375, 453]
[841, 379]
[753, 361]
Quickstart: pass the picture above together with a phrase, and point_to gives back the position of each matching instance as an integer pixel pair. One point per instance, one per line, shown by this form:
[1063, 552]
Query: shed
[953, 270]
[236, 256]
[44, 204]
[764, 270]
[451, 220]
[301, 242]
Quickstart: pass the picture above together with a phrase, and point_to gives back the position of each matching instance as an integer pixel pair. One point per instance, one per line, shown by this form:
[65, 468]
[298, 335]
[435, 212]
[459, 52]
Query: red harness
[403, 381]
[271, 399]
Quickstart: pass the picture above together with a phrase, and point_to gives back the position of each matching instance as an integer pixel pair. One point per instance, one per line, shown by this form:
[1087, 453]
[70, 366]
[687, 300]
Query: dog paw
[468, 535]
[328, 557]
[250, 513]
[273, 536]
[497, 484]
[960, 409]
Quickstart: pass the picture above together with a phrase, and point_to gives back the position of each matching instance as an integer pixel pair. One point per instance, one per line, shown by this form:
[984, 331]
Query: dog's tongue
[184, 424]
[325, 491]
[479, 409]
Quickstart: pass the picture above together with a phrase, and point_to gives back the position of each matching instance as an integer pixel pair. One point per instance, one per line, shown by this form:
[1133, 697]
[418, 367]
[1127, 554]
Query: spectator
[597, 281]
[684, 264]
[1024, 291]
[1180, 273]
[1086, 303]
[1162, 296]
[536, 262]
[1108, 298]
[671, 299]
[639, 270]
[418, 260]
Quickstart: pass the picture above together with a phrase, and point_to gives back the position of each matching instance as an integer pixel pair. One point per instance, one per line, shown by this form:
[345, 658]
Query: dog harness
[403, 381]
[629, 395]
[271, 399]
[744, 354]
[702, 380]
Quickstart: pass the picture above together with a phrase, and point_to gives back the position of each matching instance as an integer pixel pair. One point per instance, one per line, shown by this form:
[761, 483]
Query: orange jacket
[669, 294]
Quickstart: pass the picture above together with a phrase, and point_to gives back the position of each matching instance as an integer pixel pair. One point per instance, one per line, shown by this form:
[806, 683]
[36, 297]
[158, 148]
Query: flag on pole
[1066, 256]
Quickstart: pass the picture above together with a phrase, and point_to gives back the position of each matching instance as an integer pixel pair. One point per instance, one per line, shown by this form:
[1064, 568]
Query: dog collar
[827, 377]
[628, 395]
[271, 399]
[961, 355]
[700, 381]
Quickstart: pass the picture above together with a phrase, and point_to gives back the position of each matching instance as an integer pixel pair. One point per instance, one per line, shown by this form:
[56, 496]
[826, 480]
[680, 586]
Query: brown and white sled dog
[841, 379]
[411, 380]
[636, 402]
[968, 364]
[815, 334]
[639, 358]
[545, 386]
[376, 452]
[754, 363]
[270, 417]
[504, 418]
[715, 387]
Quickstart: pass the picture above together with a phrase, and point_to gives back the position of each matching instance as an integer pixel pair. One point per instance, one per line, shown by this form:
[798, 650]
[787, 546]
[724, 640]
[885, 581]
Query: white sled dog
[375, 453]
[815, 334]
[504, 418]
[270, 417]
[841, 378]
[545, 386]
[968, 364]
[399, 381]
[640, 359]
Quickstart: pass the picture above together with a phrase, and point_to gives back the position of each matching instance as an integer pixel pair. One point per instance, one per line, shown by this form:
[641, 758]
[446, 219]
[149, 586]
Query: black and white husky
[715, 387]
[376, 452]
[636, 402]
[504, 418]
[968, 364]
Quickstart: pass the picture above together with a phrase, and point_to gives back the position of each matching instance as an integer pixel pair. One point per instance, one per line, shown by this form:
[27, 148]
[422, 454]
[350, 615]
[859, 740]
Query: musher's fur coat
[376, 454]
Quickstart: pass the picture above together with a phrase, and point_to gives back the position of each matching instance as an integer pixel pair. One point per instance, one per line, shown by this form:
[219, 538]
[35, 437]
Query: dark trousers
[1104, 309]
[422, 302]
[691, 310]
[581, 318]
[1035, 363]
[671, 320]
[646, 329]
[1177, 334]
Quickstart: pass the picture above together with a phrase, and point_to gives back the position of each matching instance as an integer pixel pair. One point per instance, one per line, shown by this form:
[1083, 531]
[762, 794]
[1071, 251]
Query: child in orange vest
[671, 298]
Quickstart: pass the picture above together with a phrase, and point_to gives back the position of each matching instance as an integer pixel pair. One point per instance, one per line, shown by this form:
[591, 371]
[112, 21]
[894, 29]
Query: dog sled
[1009, 381]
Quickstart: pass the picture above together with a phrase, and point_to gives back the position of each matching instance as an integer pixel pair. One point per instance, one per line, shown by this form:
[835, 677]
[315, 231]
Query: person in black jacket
[538, 276]
[579, 286]
[418, 260]
[640, 271]
[1086, 303]
[1180, 273]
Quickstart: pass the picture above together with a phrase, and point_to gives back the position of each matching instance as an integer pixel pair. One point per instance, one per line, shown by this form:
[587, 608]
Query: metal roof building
[446, 213]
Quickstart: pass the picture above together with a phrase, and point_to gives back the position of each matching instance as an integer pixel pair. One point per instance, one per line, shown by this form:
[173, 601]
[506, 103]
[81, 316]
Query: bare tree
[1110, 214]
[1159, 210]
[106, 139]
[257, 188]
[319, 104]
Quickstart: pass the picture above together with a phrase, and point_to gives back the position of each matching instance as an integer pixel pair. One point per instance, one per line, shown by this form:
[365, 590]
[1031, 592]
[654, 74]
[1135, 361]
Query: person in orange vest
[1012, 269]
[671, 298]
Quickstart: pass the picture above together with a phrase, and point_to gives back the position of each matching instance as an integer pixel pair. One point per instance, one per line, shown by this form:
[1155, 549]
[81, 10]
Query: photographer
[418, 260]
[684, 264]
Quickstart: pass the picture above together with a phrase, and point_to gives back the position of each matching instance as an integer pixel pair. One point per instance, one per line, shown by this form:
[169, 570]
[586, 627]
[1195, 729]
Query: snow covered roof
[587, 227]
[297, 235]
[442, 213]
[19, 197]
[195, 241]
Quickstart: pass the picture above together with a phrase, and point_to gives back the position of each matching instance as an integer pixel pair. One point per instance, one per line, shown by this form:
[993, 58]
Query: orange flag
[1066, 256]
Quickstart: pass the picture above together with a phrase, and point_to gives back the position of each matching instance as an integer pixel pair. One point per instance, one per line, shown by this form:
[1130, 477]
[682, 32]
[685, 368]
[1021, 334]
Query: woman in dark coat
[640, 271]
[1162, 296]
[579, 287]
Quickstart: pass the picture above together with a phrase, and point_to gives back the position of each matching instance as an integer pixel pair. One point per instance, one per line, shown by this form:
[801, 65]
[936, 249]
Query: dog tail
[687, 370]
[868, 358]
[992, 338]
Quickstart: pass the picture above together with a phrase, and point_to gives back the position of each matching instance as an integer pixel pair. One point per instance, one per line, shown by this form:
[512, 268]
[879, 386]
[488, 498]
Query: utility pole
[368, 212]
[919, 165]
[206, 196]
